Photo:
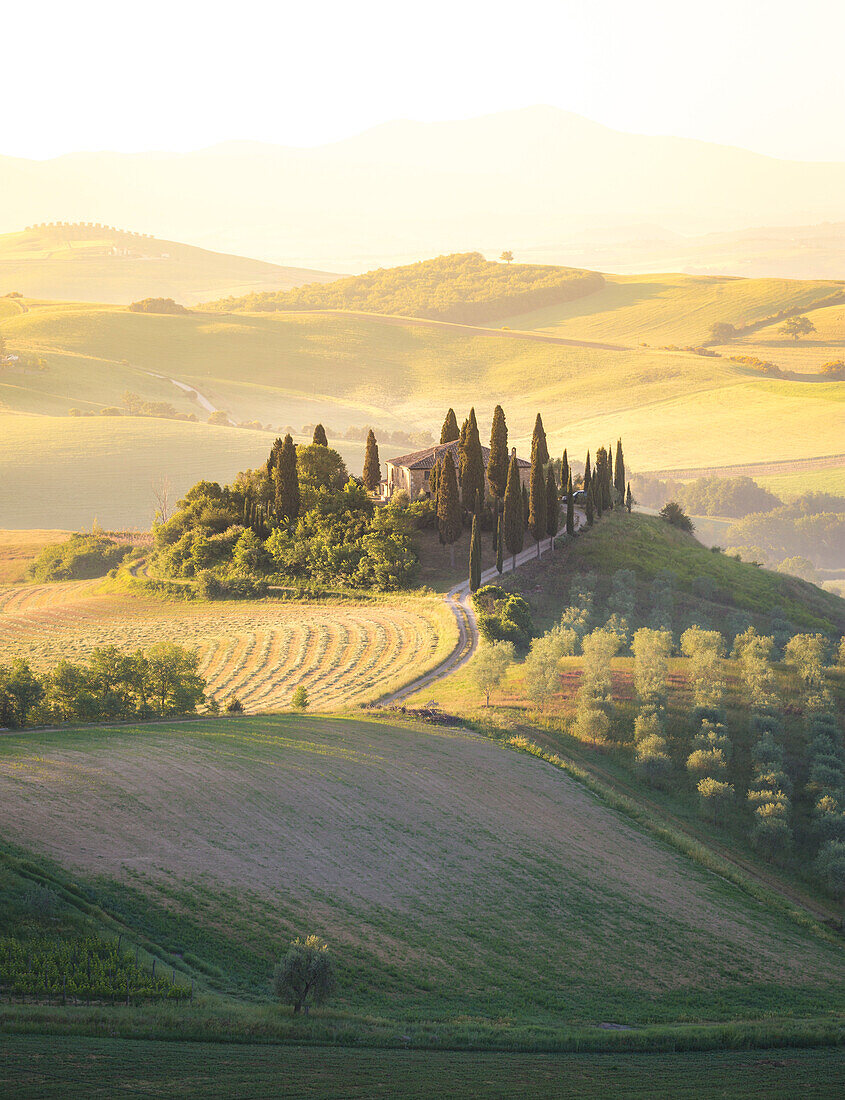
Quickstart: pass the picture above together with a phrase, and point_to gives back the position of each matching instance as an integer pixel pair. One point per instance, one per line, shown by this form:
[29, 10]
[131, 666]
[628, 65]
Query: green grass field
[466, 890]
[43, 1067]
[76, 261]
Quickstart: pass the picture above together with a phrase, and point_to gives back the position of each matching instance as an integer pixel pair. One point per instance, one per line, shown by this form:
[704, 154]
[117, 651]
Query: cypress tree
[564, 472]
[273, 457]
[475, 556]
[320, 436]
[286, 479]
[537, 497]
[589, 507]
[513, 520]
[497, 462]
[472, 475]
[449, 521]
[372, 468]
[552, 506]
[538, 442]
[619, 479]
[629, 499]
[526, 507]
[497, 519]
[500, 529]
[588, 477]
[570, 508]
[434, 479]
[449, 431]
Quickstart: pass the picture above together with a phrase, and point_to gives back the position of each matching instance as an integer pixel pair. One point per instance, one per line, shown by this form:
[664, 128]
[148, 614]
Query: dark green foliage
[497, 462]
[320, 436]
[306, 973]
[526, 506]
[286, 482]
[472, 474]
[619, 481]
[500, 543]
[80, 558]
[539, 447]
[449, 521]
[513, 519]
[463, 287]
[320, 467]
[589, 507]
[537, 497]
[674, 514]
[629, 499]
[503, 616]
[450, 431]
[273, 457]
[552, 504]
[570, 507]
[811, 526]
[157, 683]
[372, 469]
[588, 475]
[564, 472]
[434, 478]
[475, 556]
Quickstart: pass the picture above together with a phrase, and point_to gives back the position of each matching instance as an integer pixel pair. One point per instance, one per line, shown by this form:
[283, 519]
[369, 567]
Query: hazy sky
[764, 74]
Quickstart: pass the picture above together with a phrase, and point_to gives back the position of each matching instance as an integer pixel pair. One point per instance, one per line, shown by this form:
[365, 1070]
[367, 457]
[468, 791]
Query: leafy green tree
[541, 669]
[552, 505]
[475, 556]
[714, 795]
[174, 685]
[492, 660]
[513, 518]
[651, 649]
[537, 500]
[305, 974]
[472, 475]
[320, 437]
[497, 462]
[20, 691]
[299, 700]
[449, 521]
[722, 332]
[796, 327]
[450, 432]
[372, 469]
[570, 507]
[674, 514]
[249, 555]
[507, 256]
[320, 467]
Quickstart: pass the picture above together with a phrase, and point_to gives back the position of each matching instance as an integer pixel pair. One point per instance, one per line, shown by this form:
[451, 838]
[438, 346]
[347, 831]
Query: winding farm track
[460, 603]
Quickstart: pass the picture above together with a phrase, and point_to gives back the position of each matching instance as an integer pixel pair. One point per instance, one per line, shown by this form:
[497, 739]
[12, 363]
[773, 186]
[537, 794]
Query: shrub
[707, 762]
[591, 724]
[713, 796]
[234, 706]
[157, 305]
[299, 699]
[82, 557]
[674, 514]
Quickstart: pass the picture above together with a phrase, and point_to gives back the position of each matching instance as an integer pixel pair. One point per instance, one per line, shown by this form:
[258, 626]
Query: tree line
[160, 682]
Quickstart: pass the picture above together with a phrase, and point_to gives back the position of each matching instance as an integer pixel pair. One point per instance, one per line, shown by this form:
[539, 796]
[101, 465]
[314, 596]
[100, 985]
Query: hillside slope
[97, 263]
[439, 866]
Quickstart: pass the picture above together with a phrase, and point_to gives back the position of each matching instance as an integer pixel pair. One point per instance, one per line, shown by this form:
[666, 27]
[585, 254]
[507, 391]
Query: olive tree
[490, 664]
[305, 974]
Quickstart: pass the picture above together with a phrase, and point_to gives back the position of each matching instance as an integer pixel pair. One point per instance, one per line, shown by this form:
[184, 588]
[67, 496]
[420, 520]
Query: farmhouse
[412, 471]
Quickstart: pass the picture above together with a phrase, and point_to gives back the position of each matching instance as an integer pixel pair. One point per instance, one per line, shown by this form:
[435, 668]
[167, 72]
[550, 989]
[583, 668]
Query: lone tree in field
[305, 974]
[472, 474]
[512, 520]
[299, 699]
[320, 436]
[475, 556]
[507, 256]
[450, 431]
[570, 507]
[796, 327]
[449, 521]
[490, 664]
[552, 506]
[372, 469]
[286, 482]
[537, 499]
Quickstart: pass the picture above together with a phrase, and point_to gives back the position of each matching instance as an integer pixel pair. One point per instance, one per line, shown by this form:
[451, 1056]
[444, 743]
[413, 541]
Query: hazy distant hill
[96, 263]
[520, 180]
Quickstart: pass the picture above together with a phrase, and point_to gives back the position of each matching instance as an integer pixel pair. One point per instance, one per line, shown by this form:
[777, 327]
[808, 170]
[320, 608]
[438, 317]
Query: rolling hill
[439, 865]
[98, 263]
[514, 180]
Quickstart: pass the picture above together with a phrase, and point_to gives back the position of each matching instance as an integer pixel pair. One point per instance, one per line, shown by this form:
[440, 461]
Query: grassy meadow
[471, 894]
[35, 1066]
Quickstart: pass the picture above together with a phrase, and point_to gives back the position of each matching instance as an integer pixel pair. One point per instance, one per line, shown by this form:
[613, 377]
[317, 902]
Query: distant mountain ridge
[525, 180]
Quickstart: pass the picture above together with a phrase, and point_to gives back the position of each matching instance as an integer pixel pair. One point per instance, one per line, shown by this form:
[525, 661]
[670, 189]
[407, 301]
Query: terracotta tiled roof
[425, 459]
